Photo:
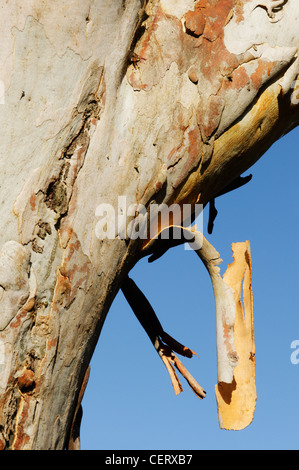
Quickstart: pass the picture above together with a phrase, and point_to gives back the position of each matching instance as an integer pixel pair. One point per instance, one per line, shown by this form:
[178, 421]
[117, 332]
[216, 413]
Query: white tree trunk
[163, 101]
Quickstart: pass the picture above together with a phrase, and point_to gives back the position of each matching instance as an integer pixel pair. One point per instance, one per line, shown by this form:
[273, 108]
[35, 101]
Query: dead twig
[164, 344]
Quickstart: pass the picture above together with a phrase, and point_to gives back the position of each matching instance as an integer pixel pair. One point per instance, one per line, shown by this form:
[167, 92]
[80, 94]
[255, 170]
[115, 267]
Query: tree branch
[235, 391]
[149, 321]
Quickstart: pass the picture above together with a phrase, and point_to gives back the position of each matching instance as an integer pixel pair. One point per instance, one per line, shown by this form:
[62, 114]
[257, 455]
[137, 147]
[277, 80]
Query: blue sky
[129, 402]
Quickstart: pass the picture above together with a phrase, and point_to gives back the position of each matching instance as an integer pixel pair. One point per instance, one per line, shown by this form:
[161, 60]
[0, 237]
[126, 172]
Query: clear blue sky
[129, 402]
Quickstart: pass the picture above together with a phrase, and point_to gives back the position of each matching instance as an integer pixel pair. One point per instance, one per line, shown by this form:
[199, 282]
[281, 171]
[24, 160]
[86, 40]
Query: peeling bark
[236, 400]
[152, 100]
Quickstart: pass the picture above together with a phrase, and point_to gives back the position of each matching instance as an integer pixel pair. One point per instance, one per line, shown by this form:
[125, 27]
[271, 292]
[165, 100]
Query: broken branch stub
[224, 301]
[236, 390]
[225, 313]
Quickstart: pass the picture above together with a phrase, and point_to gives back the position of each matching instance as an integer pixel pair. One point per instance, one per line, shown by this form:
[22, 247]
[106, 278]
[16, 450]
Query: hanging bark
[143, 101]
[237, 399]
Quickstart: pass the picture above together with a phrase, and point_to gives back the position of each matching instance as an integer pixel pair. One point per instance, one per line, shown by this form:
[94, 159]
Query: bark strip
[236, 401]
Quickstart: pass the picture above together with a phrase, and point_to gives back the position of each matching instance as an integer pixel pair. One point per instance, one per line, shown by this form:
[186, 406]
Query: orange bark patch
[32, 202]
[52, 343]
[263, 70]
[195, 22]
[16, 323]
[72, 274]
[21, 437]
[215, 14]
[26, 380]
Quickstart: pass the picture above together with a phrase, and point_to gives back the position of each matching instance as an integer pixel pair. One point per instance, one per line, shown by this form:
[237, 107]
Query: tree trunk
[123, 103]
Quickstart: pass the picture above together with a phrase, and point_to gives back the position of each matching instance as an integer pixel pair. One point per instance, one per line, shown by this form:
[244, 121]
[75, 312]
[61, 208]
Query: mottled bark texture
[156, 100]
